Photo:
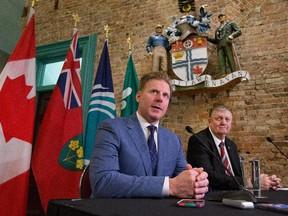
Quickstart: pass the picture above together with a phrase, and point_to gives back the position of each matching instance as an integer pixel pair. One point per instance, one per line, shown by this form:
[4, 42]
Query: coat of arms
[189, 50]
[189, 57]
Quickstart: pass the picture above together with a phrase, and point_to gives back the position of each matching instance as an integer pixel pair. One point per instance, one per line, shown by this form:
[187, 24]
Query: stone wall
[260, 106]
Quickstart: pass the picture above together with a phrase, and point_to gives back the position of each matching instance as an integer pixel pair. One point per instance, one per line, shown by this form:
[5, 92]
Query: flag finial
[129, 41]
[106, 29]
[76, 19]
[33, 3]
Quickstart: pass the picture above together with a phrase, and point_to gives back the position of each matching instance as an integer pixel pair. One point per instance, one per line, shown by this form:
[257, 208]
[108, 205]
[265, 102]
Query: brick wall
[260, 105]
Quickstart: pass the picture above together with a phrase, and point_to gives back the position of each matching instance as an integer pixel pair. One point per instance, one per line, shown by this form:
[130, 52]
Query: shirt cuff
[165, 189]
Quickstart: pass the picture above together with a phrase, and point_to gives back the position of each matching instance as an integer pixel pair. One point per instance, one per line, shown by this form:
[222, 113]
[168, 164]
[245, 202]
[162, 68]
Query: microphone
[242, 194]
[269, 139]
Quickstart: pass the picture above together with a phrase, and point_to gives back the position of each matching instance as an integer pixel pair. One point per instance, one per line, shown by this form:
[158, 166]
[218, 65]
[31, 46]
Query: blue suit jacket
[120, 164]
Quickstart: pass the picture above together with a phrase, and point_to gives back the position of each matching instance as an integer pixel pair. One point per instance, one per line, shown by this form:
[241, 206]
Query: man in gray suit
[121, 165]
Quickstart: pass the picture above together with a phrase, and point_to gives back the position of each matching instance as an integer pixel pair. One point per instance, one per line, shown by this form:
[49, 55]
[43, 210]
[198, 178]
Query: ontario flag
[17, 113]
[102, 103]
[57, 159]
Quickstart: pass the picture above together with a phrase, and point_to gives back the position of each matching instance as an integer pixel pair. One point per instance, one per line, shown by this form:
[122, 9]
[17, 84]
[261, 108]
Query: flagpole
[33, 3]
[129, 43]
[76, 19]
[32, 10]
[106, 30]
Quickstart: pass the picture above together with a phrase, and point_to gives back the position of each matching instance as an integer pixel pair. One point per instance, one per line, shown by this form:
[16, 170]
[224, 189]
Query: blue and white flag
[102, 104]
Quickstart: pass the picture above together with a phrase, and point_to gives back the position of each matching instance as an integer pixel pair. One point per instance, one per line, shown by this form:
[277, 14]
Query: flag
[129, 104]
[102, 103]
[57, 160]
[17, 114]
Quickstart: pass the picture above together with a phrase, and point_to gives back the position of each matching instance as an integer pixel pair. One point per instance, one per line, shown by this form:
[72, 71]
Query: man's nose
[159, 97]
[223, 121]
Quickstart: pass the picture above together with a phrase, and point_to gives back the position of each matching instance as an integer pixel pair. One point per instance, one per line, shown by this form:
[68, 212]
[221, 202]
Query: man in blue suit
[121, 165]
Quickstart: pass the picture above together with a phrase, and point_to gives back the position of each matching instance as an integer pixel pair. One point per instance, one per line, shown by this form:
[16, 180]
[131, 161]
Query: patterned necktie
[152, 149]
[224, 158]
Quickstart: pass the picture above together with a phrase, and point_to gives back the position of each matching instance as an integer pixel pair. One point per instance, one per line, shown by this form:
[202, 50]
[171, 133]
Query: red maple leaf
[16, 111]
[197, 70]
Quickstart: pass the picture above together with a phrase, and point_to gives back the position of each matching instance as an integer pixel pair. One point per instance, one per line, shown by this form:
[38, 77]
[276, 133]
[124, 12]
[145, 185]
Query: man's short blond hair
[154, 76]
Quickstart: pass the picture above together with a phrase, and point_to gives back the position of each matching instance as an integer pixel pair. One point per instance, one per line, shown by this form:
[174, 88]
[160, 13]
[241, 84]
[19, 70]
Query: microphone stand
[269, 139]
[242, 194]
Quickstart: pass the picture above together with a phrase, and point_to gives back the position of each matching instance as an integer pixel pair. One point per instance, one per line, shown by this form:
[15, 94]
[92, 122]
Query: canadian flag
[17, 113]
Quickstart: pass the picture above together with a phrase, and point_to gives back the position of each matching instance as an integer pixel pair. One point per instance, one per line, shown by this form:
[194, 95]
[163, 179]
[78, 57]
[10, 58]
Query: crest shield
[189, 57]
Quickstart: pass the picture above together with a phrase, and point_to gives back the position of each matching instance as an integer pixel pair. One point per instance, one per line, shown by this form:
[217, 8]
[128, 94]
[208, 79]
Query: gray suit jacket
[120, 164]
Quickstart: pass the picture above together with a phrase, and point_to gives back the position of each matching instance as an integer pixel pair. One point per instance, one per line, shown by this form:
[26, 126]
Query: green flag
[129, 104]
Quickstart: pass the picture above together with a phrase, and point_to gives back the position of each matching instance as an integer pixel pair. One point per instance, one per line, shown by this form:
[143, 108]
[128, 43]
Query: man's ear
[138, 95]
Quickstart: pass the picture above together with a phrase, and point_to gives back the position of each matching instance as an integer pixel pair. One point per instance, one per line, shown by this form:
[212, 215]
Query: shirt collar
[216, 140]
[144, 124]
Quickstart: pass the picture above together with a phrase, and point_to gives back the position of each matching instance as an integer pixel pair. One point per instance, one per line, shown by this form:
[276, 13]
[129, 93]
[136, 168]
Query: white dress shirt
[144, 124]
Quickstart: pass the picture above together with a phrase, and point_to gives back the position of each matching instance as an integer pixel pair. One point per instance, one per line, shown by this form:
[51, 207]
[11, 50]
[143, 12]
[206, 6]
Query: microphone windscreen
[269, 139]
[189, 129]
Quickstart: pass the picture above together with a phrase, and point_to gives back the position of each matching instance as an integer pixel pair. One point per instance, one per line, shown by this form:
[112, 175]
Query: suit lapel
[233, 158]
[211, 142]
[162, 144]
[137, 136]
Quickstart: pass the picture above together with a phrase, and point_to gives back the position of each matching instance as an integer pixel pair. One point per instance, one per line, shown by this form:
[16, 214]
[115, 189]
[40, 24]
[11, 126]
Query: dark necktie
[152, 149]
[224, 158]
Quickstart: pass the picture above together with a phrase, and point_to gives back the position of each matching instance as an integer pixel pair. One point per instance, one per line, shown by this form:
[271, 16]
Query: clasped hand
[190, 183]
[269, 182]
[266, 182]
